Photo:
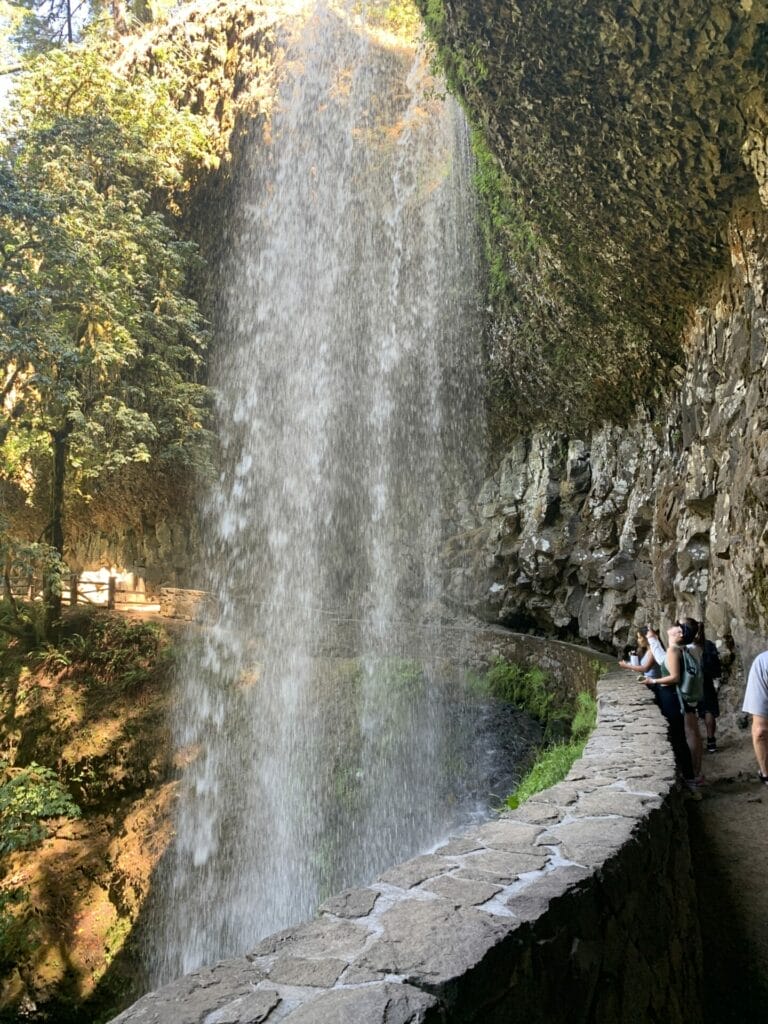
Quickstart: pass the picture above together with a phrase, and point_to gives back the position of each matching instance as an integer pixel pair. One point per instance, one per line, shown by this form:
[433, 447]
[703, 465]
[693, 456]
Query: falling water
[322, 727]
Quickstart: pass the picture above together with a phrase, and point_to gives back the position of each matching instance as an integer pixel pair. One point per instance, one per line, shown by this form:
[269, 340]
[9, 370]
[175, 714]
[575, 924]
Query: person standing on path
[709, 706]
[756, 704]
[672, 705]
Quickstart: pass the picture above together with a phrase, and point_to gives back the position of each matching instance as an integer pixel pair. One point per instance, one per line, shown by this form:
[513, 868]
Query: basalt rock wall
[625, 136]
[630, 324]
[594, 535]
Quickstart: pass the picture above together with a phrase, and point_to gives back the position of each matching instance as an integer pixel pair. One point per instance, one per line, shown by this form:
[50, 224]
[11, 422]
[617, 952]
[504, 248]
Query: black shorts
[709, 706]
[709, 703]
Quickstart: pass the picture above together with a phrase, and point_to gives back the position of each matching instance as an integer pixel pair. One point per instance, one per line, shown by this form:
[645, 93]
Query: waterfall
[323, 729]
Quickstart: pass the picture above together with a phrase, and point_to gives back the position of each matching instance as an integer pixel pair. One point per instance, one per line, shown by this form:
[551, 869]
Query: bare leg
[693, 739]
[760, 742]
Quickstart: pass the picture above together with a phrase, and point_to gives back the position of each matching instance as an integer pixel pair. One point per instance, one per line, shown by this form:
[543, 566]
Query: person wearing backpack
[691, 690]
[676, 710]
[712, 670]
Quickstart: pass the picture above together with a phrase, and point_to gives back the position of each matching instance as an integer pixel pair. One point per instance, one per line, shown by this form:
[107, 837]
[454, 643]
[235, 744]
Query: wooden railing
[87, 592]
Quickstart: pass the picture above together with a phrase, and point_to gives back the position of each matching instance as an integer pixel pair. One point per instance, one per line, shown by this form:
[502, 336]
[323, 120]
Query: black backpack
[691, 685]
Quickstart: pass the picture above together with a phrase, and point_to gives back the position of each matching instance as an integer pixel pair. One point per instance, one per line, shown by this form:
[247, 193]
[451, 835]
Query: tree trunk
[52, 580]
[119, 19]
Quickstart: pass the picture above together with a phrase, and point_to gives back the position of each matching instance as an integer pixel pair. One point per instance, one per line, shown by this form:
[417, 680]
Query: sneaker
[711, 746]
[692, 789]
[763, 779]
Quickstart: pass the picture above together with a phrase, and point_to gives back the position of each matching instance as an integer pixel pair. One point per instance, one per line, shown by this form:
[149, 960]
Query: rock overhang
[628, 136]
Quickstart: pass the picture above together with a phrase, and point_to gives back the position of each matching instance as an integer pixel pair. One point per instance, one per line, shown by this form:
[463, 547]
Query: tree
[100, 347]
[34, 26]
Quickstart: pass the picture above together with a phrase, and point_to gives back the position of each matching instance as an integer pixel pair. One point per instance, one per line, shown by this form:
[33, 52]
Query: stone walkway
[729, 834]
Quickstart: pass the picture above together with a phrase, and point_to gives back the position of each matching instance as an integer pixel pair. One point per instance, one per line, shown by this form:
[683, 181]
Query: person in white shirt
[756, 704]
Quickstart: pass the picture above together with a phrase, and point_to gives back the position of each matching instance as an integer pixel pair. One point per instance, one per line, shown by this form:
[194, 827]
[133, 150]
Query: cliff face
[625, 133]
[634, 140]
[590, 536]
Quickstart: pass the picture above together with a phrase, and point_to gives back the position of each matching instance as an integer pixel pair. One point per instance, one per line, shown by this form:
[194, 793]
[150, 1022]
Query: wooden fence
[104, 593]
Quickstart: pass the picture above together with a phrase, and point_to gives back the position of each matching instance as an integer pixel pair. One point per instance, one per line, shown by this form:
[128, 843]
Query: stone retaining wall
[578, 906]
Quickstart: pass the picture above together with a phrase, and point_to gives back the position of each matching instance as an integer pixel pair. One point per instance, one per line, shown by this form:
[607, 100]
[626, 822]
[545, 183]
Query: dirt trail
[729, 841]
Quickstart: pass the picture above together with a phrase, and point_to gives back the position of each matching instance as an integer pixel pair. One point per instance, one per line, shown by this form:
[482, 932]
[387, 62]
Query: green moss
[510, 239]
[565, 347]
[116, 937]
[760, 593]
[531, 691]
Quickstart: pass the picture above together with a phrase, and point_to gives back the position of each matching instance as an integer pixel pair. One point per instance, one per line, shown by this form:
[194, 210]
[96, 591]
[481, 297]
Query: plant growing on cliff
[530, 690]
[111, 651]
[555, 761]
[29, 797]
[100, 346]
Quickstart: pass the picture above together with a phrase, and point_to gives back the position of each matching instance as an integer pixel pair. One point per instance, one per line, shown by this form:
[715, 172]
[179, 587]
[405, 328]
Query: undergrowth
[108, 660]
[111, 650]
[566, 726]
[554, 762]
[29, 798]
[528, 689]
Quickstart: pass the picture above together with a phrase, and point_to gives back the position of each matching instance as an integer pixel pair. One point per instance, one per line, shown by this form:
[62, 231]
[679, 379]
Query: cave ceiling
[629, 131]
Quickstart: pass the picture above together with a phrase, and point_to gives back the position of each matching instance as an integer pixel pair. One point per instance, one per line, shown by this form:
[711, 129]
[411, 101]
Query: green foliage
[401, 17]
[586, 716]
[552, 765]
[99, 343]
[25, 565]
[529, 690]
[398, 676]
[29, 796]
[36, 26]
[17, 928]
[101, 348]
[526, 688]
[111, 650]
[39, 25]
